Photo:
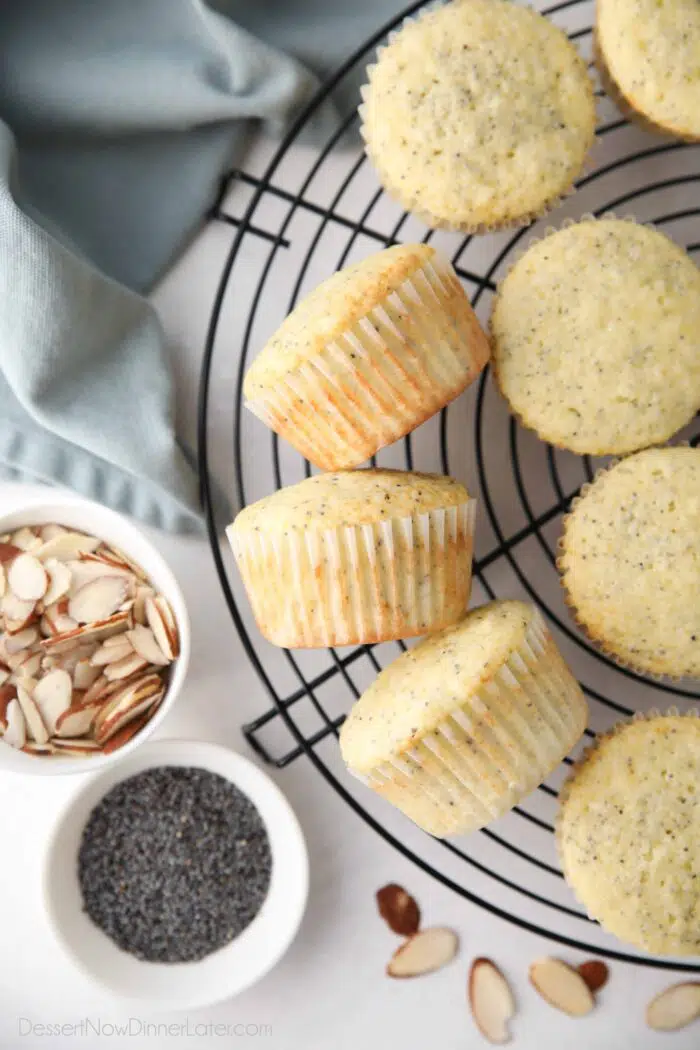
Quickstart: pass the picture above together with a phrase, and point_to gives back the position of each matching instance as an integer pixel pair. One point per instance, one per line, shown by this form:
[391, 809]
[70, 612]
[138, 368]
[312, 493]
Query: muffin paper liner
[358, 584]
[585, 755]
[434, 221]
[600, 643]
[384, 376]
[494, 749]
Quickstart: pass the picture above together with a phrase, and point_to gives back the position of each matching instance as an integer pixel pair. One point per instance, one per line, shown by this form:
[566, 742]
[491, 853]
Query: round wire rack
[312, 211]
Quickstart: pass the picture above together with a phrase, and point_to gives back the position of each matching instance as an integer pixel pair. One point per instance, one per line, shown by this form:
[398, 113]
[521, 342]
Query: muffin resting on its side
[596, 337]
[457, 730]
[369, 355]
[478, 115]
[629, 833]
[357, 556]
[630, 561]
[649, 57]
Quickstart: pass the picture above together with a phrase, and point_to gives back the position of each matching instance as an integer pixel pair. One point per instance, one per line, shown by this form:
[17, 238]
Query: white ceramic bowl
[63, 508]
[224, 973]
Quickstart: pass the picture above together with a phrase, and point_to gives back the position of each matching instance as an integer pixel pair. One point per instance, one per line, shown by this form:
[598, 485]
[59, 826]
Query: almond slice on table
[8, 552]
[125, 705]
[397, 907]
[65, 546]
[491, 1001]
[97, 600]
[74, 747]
[36, 730]
[561, 986]
[60, 579]
[53, 696]
[112, 649]
[24, 538]
[16, 729]
[77, 720]
[7, 693]
[144, 642]
[424, 952]
[595, 973]
[27, 578]
[127, 732]
[675, 1007]
[126, 667]
[162, 622]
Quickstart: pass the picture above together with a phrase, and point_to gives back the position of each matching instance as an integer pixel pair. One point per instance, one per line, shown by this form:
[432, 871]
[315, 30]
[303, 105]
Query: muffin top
[478, 113]
[631, 560]
[427, 683]
[331, 309]
[629, 833]
[596, 337]
[652, 50]
[350, 497]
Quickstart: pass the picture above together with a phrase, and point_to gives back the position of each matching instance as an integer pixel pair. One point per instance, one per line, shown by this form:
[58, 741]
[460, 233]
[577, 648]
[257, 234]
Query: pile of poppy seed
[174, 863]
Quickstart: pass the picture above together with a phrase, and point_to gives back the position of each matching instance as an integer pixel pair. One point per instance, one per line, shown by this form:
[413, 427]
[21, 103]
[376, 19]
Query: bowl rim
[41, 503]
[292, 859]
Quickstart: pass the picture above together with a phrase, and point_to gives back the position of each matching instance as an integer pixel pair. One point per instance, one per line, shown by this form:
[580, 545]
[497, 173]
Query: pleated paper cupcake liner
[359, 584]
[397, 366]
[499, 746]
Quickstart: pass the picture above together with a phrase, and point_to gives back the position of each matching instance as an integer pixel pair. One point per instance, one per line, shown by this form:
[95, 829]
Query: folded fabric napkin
[117, 119]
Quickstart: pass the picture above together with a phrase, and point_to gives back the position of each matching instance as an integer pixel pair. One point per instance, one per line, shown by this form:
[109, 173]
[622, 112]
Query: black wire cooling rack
[317, 209]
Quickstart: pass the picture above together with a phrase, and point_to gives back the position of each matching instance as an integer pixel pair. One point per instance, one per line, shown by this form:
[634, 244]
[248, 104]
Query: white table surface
[330, 990]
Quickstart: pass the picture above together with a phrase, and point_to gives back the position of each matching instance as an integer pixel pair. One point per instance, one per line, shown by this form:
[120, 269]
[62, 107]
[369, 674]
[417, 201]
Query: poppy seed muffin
[356, 556]
[628, 833]
[596, 337]
[630, 561]
[649, 56]
[458, 729]
[478, 115]
[370, 354]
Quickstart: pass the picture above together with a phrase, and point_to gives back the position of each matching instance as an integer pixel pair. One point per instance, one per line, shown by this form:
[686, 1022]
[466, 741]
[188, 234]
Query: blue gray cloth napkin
[117, 118]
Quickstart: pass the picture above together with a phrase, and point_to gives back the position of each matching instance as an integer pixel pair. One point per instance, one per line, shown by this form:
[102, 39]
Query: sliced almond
[68, 661]
[92, 632]
[36, 730]
[84, 674]
[8, 552]
[22, 640]
[32, 747]
[424, 952]
[561, 986]
[16, 728]
[77, 720]
[65, 546]
[162, 623]
[50, 532]
[27, 578]
[7, 693]
[24, 538]
[125, 668]
[491, 1001]
[28, 664]
[397, 907]
[112, 650]
[60, 579]
[127, 732]
[16, 610]
[74, 747]
[97, 600]
[595, 973]
[87, 568]
[142, 593]
[117, 557]
[96, 691]
[53, 696]
[675, 1007]
[125, 705]
[144, 642]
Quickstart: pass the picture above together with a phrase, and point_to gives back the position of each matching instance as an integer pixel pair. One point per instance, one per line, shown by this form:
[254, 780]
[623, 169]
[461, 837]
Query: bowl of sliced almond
[94, 636]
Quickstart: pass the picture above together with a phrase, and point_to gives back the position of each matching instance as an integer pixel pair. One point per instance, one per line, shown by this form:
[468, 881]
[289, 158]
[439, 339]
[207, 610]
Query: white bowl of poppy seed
[108, 553]
[179, 878]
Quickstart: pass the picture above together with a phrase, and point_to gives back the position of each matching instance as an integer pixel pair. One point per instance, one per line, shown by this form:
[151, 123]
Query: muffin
[356, 556]
[629, 833]
[596, 337]
[369, 355]
[457, 730]
[630, 561]
[478, 115]
[649, 58]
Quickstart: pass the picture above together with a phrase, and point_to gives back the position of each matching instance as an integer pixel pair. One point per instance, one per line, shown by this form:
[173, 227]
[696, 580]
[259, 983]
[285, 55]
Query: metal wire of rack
[328, 197]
